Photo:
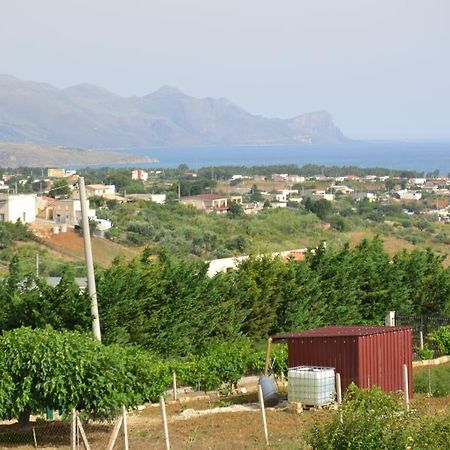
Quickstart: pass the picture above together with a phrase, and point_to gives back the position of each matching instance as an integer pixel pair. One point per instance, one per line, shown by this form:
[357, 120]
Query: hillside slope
[87, 116]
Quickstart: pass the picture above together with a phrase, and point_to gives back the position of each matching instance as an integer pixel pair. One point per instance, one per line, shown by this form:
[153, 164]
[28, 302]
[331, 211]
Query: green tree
[235, 210]
[60, 189]
[63, 370]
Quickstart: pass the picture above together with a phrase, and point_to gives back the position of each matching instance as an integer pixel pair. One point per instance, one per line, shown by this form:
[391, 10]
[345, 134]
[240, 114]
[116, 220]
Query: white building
[16, 207]
[100, 190]
[158, 198]
[418, 181]
[404, 194]
[139, 174]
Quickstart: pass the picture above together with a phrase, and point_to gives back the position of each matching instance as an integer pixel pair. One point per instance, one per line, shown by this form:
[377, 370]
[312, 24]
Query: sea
[419, 156]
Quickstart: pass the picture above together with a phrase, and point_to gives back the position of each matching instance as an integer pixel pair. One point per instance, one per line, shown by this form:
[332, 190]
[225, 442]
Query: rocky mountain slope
[90, 117]
[42, 155]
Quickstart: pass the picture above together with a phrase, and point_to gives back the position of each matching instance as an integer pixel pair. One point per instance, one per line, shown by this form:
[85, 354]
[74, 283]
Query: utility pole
[89, 262]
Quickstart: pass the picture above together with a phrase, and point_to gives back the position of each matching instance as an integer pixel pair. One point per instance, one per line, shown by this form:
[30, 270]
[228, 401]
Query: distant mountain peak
[167, 91]
[88, 89]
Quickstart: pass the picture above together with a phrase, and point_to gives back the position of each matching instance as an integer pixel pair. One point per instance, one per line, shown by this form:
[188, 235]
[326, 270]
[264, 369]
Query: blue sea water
[423, 157]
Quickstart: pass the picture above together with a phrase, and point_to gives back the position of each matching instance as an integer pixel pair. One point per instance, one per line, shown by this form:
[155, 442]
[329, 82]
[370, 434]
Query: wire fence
[424, 325]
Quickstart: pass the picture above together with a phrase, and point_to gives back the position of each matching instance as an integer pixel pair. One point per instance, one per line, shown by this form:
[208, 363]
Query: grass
[434, 379]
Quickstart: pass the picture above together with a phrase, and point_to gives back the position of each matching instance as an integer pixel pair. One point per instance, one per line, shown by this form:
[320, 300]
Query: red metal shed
[365, 355]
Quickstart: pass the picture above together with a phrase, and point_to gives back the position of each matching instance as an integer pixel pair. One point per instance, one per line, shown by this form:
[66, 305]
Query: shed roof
[341, 330]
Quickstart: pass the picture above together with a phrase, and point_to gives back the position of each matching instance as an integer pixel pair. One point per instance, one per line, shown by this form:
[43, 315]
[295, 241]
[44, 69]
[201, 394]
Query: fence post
[162, 405]
[406, 387]
[263, 414]
[389, 320]
[421, 340]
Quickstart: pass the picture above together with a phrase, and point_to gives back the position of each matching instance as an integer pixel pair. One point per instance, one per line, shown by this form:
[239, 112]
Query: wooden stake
[83, 434]
[162, 405]
[125, 427]
[175, 396]
[338, 389]
[73, 430]
[263, 414]
[429, 381]
[34, 438]
[406, 387]
[269, 348]
[115, 433]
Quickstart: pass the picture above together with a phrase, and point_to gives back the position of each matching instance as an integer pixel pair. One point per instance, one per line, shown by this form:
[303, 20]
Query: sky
[381, 67]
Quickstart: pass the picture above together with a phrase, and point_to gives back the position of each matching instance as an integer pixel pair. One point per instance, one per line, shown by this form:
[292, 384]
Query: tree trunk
[24, 418]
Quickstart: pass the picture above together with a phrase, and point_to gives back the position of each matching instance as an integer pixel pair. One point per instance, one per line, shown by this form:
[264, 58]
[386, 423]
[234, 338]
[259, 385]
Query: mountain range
[87, 116]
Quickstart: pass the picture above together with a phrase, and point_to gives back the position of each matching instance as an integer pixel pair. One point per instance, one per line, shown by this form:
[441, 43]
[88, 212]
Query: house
[155, 198]
[226, 264]
[207, 202]
[404, 194]
[14, 207]
[235, 199]
[56, 173]
[318, 195]
[69, 211]
[280, 177]
[44, 207]
[417, 181]
[253, 208]
[296, 179]
[360, 196]
[139, 175]
[342, 189]
[100, 190]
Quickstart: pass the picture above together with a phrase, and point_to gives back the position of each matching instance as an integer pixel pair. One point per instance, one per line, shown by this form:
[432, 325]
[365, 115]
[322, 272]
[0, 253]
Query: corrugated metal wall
[381, 359]
[339, 352]
[374, 359]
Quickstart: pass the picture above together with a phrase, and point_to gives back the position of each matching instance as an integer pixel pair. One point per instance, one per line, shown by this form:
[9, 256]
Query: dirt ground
[70, 245]
[223, 430]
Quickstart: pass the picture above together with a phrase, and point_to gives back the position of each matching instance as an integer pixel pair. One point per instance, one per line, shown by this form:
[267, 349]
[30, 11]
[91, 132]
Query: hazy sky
[381, 67]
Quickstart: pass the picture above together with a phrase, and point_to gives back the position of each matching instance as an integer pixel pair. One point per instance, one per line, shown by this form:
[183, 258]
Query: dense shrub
[374, 420]
[442, 339]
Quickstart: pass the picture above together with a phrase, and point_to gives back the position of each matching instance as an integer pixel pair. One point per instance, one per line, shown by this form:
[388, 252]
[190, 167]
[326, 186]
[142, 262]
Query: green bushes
[62, 370]
[442, 339]
[374, 420]
[222, 364]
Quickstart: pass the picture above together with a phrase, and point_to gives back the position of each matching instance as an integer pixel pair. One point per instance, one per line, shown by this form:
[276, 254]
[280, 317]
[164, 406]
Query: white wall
[19, 207]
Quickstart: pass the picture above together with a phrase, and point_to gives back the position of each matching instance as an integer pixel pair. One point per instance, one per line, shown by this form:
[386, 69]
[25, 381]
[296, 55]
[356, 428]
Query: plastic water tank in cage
[311, 385]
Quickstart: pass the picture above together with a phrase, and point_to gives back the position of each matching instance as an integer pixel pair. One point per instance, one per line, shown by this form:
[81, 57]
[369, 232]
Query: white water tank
[313, 386]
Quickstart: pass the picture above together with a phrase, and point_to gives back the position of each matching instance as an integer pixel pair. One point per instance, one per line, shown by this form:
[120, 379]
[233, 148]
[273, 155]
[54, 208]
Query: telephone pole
[89, 262]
